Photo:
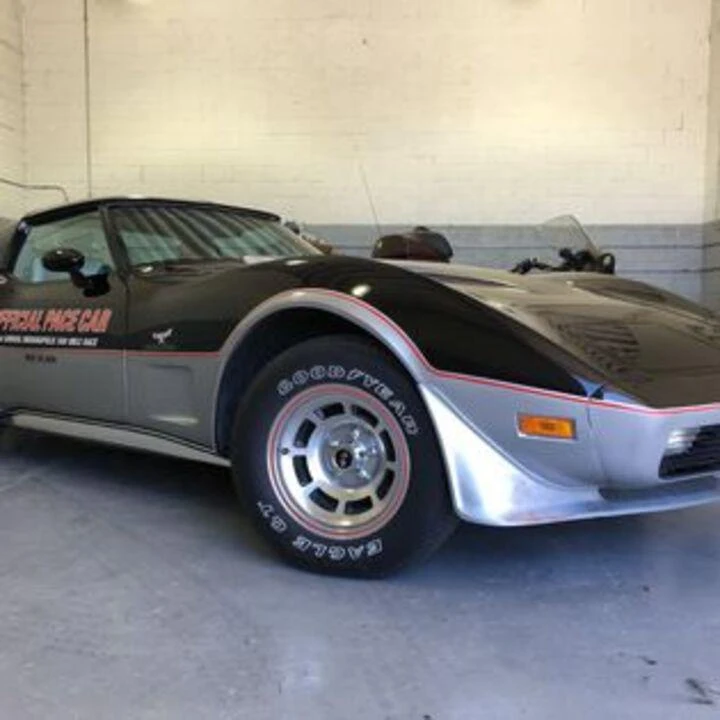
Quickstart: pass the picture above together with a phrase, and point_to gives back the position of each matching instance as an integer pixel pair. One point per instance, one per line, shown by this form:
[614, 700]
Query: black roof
[59, 212]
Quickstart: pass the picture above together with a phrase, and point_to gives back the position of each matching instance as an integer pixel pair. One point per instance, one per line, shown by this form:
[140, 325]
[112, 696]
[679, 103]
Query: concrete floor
[132, 587]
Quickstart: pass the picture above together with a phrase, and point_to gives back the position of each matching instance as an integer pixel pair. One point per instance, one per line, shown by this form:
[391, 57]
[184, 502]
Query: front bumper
[612, 468]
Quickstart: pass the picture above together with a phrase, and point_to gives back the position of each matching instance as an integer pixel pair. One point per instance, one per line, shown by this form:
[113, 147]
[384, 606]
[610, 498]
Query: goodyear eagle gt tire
[337, 460]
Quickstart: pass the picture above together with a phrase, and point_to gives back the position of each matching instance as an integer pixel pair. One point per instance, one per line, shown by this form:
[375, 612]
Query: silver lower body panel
[525, 481]
[119, 436]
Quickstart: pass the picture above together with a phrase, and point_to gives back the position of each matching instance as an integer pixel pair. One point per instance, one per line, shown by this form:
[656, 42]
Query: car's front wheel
[337, 460]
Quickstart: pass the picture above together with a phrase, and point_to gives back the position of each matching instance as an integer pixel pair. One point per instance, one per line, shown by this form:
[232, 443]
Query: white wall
[12, 132]
[56, 130]
[461, 111]
[712, 185]
[711, 249]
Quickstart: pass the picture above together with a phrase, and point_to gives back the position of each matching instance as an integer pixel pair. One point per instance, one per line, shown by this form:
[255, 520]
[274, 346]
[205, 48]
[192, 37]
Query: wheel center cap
[343, 459]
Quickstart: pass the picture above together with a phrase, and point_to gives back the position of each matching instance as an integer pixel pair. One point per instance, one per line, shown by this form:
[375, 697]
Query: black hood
[648, 342]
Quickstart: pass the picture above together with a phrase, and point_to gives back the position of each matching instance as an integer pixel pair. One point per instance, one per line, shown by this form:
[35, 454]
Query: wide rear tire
[337, 460]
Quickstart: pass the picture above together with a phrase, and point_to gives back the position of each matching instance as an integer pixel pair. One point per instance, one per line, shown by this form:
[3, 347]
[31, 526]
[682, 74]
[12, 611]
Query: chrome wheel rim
[338, 461]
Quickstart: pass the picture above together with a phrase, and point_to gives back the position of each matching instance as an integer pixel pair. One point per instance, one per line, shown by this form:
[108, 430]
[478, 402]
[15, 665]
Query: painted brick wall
[479, 112]
[464, 113]
[55, 97]
[711, 245]
[12, 132]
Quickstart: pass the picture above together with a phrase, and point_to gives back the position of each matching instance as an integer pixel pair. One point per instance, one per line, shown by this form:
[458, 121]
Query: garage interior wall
[478, 118]
[711, 255]
[12, 124]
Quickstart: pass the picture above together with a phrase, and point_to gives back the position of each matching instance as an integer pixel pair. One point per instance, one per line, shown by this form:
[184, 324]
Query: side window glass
[83, 232]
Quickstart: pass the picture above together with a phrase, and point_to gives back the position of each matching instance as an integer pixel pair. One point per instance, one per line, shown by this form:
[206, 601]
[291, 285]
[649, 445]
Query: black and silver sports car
[363, 406]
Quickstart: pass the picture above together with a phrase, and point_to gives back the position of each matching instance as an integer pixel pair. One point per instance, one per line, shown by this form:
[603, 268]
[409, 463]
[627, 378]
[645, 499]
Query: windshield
[188, 234]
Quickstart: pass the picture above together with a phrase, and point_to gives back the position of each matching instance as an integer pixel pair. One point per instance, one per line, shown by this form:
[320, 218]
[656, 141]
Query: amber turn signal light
[546, 427]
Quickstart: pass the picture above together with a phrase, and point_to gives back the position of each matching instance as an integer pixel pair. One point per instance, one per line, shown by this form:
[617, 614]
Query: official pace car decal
[54, 327]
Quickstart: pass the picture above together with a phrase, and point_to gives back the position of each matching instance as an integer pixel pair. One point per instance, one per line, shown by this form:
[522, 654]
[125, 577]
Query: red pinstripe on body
[422, 360]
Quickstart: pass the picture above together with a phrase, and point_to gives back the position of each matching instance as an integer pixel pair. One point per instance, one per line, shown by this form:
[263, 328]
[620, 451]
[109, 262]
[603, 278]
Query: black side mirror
[63, 260]
[72, 261]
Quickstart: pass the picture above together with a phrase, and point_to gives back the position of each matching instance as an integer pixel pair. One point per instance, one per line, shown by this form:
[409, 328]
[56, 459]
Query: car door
[61, 346]
[174, 324]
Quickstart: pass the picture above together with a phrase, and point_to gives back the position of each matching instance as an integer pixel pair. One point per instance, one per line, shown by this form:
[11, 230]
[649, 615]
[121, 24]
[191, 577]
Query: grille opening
[691, 451]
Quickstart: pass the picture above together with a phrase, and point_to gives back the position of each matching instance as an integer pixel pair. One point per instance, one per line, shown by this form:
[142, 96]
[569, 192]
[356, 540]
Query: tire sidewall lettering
[316, 374]
[305, 545]
[361, 373]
